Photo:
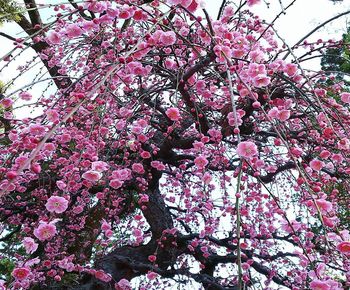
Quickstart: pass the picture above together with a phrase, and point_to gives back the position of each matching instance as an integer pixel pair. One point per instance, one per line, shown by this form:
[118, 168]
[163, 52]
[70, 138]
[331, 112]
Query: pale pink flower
[37, 129]
[73, 30]
[20, 273]
[99, 166]
[115, 183]
[252, 2]
[92, 175]
[173, 114]
[316, 164]
[123, 284]
[53, 37]
[247, 149]
[45, 231]
[283, 115]
[324, 205]
[52, 115]
[261, 81]
[345, 97]
[25, 96]
[290, 69]
[30, 245]
[319, 285]
[344, 247]
[56, 204]
[201, 162]
[168, 38]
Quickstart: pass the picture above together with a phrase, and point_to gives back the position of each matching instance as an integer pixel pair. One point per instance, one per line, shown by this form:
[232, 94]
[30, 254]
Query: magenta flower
[20, 273]
[344, 247]
[45, 231]
[247, 149]
[56, 204]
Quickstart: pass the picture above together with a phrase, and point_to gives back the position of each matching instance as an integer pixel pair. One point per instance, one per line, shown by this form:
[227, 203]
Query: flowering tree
[174, 148]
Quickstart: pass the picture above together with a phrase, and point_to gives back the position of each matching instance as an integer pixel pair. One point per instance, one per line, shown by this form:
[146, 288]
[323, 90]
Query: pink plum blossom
[344, 247]
[99, 166]
[30, 245]
[20, 273]
[316, 164]
[123, 284]
[168, 38]
[319, 285]
[25, 96]
[253, 2]
[54, 37]
[247, 149]
[173, 114]
[201, 162]
[92, 175]
[45, 231]
[345, 97]
[52, 115]
[56, 204]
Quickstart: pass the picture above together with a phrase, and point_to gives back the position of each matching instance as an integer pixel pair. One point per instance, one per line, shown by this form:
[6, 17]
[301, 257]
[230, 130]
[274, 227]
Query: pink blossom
[152, 258]
[103, 276]
[92, 175]
[99, 166]
[123, 284]
[151, 275]
[290, 69]
[261, 81]
[25, 96]
[53, 37]
[56, 204]
[73, 30]
[138, 168]
[37, 129]
[116, 183]
[52, 115]
[6, 102]
[173, 114]
[45, 231]
[283, 115]
[324, 205]
[20, 273]
[344, 247]
[319, 285]
[30, 245]
[247, 149]
[168, 38]
[345, 97]
[316, 164]
[201, 162]
[252, 2]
